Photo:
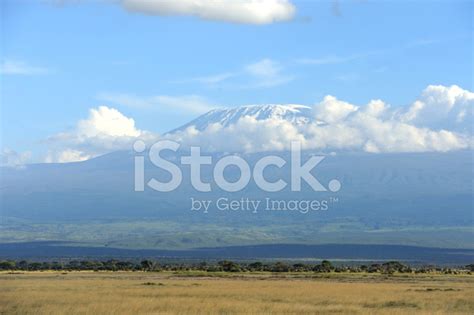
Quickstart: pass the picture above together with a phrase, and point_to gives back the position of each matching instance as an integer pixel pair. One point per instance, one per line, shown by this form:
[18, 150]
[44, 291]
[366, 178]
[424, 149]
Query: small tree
[325, 266]
[147, 265]
[7, 265]
[299, 267]
[229, 266]
[280, 267]
[256, 266]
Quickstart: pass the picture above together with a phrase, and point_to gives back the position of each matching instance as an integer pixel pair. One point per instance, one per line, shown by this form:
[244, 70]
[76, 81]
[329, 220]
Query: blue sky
[72, 57]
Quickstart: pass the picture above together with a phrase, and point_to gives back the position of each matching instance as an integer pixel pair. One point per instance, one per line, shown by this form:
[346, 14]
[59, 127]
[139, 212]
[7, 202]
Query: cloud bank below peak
[257, 12]
[439, 120]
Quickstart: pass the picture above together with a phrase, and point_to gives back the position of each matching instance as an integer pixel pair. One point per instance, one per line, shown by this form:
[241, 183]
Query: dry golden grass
[165, 293]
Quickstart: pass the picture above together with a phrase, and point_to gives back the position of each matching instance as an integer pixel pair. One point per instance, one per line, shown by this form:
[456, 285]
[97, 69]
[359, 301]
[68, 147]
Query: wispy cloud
[261, 74]
[17, 67]
[210, 79]
[381, 69]
[335, 59]
[346, 77]
[188, 103]
[267, 73]
[339, 59]
[421, 42]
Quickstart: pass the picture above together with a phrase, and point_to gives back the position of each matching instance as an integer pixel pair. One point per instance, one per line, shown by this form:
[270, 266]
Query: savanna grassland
[240, 293]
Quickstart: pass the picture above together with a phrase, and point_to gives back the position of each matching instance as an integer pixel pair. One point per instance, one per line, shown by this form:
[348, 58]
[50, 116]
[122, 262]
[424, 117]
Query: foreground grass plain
[239, 293]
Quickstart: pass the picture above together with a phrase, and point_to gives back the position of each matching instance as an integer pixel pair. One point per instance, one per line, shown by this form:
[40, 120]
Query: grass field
[249, 293]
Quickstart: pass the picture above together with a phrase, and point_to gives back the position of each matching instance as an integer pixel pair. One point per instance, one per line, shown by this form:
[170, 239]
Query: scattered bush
[149, 265]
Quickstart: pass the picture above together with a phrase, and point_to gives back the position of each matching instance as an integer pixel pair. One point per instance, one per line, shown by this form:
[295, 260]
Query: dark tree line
[222, 266]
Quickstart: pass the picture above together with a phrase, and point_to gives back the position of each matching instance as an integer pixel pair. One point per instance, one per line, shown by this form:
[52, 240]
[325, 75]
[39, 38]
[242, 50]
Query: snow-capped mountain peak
[294, 113]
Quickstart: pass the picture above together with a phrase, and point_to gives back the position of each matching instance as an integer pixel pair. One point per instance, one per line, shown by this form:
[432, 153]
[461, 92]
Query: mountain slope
[399, 198]
[296, 114]
[416, 199]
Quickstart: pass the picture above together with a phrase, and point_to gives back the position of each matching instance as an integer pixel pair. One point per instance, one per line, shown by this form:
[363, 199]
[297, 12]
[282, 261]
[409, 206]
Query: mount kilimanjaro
[404, 198]
[296, 114]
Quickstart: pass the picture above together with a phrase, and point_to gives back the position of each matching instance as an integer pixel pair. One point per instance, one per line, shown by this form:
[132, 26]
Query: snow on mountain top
[294, 113]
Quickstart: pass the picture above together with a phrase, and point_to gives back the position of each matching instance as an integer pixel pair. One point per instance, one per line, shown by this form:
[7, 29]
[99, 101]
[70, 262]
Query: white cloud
[124, 99]
[214, 79]
[336, 59]
[392, 135]
[185, 103]
[331, 110]
[105, 121]
[264, 73]
[376, 108]
[105, 130]
[11, 158]
[264, 68]
[241, 11]
[340, 59]
[360, 133]
[439, 120]
[326, 60]
[347, 77]
[17, 67]
[190, 103]
[67, 155]
[248, 135]
[443, 107]
[339, 125]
